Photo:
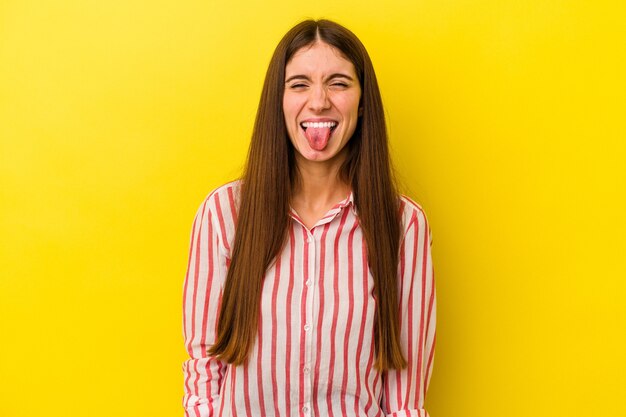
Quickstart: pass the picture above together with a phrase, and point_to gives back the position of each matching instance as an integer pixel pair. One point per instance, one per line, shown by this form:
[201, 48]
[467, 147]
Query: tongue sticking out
[318, 137]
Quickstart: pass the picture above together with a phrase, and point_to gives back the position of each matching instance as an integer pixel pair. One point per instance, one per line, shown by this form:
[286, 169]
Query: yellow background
[507, 125]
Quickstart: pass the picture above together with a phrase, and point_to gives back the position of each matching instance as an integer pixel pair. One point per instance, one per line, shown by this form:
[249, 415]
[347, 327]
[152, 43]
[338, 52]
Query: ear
[360, 111]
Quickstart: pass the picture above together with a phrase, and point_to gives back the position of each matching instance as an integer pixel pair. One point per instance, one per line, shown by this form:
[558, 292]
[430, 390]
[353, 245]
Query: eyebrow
[304, 77]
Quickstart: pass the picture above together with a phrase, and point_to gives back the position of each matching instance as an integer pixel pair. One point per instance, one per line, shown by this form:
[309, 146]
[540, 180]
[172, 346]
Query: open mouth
[318, 133]
[319, 125]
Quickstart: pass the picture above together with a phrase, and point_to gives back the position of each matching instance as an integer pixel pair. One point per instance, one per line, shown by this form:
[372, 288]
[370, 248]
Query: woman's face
[321, 101]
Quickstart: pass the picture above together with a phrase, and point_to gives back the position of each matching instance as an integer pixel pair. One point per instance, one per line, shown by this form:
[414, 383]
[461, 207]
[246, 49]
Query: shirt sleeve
[404, 390]
[202, 293]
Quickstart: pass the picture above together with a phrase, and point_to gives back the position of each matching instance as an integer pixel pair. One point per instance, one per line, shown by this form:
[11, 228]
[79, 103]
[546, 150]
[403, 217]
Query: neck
[319, 183]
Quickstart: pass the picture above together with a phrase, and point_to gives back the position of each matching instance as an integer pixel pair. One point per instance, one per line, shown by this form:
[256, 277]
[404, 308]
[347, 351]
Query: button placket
[307, 329]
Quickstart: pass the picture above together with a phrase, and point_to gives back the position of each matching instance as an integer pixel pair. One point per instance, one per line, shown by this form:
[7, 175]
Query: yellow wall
[507, 124]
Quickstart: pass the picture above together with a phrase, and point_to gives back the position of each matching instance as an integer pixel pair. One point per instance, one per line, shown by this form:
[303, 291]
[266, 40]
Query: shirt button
[306, 370]
[309, 239]
[307, 327]
[305, 409]
[308, 282]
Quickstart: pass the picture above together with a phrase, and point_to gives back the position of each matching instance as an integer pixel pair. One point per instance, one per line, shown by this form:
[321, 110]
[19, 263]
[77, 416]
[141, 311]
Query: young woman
[310, 287]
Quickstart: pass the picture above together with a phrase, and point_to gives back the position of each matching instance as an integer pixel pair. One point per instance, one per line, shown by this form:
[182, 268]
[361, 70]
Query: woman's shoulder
[413, 214]
[225, 195]
[410, 205]
[221, 203]
[219, 208]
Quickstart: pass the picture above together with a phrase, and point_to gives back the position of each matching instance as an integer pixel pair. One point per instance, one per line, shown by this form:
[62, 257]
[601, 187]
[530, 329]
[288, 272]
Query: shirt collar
[349, 201]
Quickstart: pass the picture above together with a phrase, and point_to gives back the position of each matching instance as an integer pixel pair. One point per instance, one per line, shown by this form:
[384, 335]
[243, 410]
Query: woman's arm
[201, 300]
[404, 391]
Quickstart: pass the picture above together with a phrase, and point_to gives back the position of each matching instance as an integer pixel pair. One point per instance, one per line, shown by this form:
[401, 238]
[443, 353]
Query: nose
[318, 99]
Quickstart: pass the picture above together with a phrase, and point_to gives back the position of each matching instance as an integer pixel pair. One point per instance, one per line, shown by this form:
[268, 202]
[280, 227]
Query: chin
[320, 156]
[317, 156]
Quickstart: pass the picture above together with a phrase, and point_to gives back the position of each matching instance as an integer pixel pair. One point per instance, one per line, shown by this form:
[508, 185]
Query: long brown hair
[266, 188]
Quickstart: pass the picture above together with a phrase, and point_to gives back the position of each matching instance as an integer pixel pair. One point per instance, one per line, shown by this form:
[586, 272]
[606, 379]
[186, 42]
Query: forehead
[318, 57]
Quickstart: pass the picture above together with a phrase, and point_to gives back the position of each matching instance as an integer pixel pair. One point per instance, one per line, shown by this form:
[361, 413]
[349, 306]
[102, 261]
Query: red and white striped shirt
[314, 350]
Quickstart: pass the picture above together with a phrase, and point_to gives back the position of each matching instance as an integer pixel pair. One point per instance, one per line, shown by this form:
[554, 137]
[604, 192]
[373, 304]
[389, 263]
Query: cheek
[291, 106]
[286, 106]
[286, 109]
[349, 105]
